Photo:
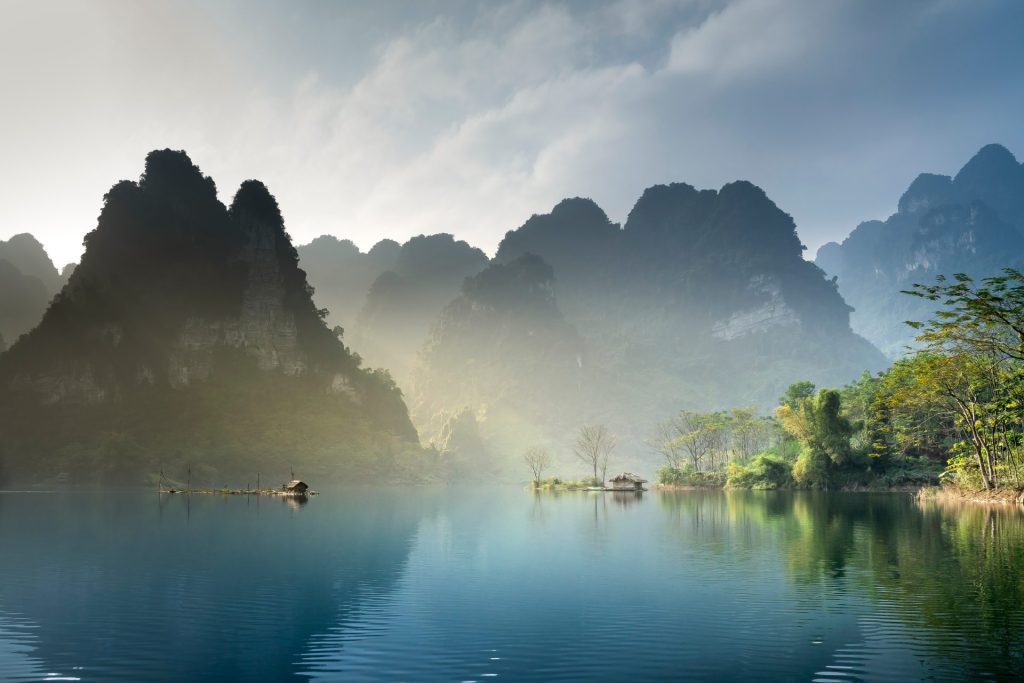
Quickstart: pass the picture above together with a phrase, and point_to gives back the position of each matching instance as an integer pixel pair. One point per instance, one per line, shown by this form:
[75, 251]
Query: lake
[460, 584]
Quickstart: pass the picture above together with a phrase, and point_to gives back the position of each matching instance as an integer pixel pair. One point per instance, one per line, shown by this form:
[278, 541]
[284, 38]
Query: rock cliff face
[772, 313]
[972, 223]
[264, 328]
[180, 299]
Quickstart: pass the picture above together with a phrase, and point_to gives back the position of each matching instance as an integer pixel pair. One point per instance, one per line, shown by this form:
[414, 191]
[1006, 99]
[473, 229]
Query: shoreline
[903, 488]
[1004, 496]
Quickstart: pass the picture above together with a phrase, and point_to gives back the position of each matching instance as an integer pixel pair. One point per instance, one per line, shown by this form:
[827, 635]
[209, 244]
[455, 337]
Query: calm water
[478, 585]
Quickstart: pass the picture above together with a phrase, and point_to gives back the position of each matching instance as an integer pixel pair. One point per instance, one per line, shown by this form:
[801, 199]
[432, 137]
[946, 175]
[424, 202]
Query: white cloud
[750, 37]
[470, 122]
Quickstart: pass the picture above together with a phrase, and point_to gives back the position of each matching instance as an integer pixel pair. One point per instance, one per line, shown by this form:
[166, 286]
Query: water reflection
[472, 584]
[134, 587]
[625, 498]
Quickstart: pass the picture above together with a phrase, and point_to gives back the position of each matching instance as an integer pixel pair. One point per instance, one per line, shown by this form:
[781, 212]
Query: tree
[964, 391]
[701, 436]
[797, 392]
[667, 444]
[971, 367]
[983, 318]
[824, 436]
[748, 434]
[538, 460]
[594, 446]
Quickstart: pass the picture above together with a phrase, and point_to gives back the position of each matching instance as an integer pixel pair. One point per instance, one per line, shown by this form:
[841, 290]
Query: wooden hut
[295, 487]
[627, 481]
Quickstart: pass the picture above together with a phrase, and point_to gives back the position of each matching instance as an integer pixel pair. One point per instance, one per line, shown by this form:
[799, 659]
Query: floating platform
[242, 492]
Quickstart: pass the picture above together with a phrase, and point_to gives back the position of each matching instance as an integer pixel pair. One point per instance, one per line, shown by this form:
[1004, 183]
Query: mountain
[23, 299]
[26, 254]
[342, 275]
[971, 223]
[403, 302]
[187, 335]
[28, 279]
[501, 365]
[701, 301]
[387, 299]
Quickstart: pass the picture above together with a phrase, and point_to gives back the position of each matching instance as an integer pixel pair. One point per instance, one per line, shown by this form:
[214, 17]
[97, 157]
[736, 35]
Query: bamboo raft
[296, 488]
[240, 492]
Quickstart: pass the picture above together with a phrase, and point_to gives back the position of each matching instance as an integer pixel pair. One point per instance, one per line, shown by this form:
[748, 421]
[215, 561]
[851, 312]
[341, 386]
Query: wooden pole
[188, 487]
[257, 481]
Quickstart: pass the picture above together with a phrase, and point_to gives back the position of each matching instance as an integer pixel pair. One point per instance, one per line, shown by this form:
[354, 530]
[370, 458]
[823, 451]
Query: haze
[394, 119]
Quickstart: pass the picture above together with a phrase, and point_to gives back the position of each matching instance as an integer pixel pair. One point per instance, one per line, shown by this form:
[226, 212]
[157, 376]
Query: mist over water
[459, 584]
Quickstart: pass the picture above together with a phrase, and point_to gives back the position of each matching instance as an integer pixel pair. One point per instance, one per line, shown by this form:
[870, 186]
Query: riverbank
[1007, 496]
[852, 488]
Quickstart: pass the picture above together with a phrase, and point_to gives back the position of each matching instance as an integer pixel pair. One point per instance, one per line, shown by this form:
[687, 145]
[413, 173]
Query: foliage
[824, 435]
[708, 441]
[763, 472]
[687, 475]
[969, 374]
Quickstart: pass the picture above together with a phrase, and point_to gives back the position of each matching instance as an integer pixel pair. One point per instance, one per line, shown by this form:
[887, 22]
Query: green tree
[824, 436]
[985, 318]
[970, 371]
[796, 393]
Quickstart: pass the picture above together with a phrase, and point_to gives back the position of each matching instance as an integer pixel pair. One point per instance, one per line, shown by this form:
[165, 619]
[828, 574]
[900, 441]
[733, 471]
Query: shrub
[811, 469]
[764, 472]
[688, 476]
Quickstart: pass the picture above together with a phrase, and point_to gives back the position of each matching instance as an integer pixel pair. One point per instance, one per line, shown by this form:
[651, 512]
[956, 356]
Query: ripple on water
[491, 585]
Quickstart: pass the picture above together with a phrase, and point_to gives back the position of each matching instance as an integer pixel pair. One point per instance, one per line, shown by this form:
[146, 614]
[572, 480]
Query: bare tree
[594, 445]
[538, 460]
[666, 442]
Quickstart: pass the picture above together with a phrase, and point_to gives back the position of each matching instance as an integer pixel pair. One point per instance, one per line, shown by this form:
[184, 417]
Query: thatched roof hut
[295, 486]
[627, 481]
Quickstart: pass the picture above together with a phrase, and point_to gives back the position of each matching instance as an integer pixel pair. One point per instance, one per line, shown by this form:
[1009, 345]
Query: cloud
[751, 37]
[368, 123]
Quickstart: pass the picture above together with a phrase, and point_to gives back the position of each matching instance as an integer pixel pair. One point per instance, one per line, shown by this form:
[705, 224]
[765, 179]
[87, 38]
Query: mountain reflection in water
[389, 584]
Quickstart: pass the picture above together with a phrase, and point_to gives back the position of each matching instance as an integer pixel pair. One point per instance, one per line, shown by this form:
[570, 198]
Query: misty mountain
[404, 302]
[388, 298]
[26, 254]
[702, 300]
[971, 223]
[28, 279]
[188, 332]
[23, 299]
[502, 352]
[342, 275]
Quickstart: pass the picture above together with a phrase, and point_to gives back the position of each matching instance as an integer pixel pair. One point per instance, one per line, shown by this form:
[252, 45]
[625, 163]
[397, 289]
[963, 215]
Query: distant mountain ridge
[701, 300]
[972, 223]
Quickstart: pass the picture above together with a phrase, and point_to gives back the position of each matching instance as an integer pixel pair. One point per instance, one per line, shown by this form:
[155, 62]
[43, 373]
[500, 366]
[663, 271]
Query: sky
[391, 119]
